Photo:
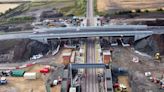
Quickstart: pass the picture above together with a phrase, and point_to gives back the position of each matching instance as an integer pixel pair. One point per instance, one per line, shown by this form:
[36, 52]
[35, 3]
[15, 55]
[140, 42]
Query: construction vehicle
[162, 83]
[51, 25]
[158, 57]
[3, 81]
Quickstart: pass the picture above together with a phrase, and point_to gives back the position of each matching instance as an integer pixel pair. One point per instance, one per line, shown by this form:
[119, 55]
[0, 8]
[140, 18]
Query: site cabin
[72, 89]
[66, 58]
[107, 57]
[17, 73]
[30, 75]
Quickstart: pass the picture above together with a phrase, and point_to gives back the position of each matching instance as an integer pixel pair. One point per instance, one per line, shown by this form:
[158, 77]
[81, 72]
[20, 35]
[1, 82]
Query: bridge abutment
[43, 40]
[140, 36]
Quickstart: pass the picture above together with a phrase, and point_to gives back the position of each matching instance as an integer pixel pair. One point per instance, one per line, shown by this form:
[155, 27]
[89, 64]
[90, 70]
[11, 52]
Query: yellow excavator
[158, 57]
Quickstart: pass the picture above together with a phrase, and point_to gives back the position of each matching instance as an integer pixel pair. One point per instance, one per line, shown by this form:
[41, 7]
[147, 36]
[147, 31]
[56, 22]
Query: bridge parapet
[82, 32]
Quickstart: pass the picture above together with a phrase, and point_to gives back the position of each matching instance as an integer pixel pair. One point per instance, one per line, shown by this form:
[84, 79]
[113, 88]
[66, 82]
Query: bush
[123, 12]
[1, 14]
[70, 15]
[138, 10]
[107, 15]
[21, 19]
[160, 9]
[146, 11]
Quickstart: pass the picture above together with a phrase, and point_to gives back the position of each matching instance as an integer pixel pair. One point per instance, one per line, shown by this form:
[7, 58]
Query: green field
[78, 9]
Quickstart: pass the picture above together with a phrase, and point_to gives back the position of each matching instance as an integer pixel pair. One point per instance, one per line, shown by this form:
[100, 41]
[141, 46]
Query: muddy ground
[137, 79]
[20, 50]
[151, 44]
[20, 84]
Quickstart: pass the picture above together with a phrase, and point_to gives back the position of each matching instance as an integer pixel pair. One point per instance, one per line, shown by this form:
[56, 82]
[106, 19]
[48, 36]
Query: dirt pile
[151, 45]
[158, 22]
[136, 71]
[20, 50]
[139, 83]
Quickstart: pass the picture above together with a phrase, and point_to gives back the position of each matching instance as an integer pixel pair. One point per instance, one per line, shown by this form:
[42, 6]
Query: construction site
[87, 53]
[70, 67]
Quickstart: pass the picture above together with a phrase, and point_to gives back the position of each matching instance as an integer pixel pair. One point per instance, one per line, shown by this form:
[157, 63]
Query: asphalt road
[83, 32]
[91, 77]
[90, 12]
[45, 36]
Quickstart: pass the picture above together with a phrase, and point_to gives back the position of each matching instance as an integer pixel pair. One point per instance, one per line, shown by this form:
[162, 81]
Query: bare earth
[124, 80]
[111, 5]
[4, 7]
[56, 88]
[19, 84]
[23, 85]
[139, 82]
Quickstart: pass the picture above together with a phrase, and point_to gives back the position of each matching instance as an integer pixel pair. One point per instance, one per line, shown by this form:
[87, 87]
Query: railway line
[91, 76]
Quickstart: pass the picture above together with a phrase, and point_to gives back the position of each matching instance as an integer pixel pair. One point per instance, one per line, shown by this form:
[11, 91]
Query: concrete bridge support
[140, 36]
[43, 40]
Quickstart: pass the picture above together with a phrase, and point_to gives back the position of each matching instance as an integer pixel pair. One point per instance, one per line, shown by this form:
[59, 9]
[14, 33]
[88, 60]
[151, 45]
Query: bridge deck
[82, 32]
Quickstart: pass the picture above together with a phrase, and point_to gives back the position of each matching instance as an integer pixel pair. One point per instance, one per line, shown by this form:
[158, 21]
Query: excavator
[158, 57]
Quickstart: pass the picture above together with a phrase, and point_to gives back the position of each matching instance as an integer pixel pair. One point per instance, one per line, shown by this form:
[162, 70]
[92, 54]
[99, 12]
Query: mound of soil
[20, 50]
[151, 45]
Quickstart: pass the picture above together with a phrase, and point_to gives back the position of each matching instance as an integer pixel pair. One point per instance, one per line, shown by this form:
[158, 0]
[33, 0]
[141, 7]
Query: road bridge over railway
[74, 32]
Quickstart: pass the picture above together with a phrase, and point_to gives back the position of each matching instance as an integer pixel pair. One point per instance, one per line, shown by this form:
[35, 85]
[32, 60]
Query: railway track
[91, 77]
